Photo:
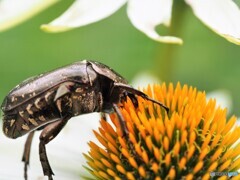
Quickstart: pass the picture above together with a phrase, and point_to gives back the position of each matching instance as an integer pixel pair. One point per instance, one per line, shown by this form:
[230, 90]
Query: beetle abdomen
[30, 115]
[45, 109]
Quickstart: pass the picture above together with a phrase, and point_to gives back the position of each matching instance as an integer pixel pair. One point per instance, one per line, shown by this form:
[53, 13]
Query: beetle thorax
[86, 100]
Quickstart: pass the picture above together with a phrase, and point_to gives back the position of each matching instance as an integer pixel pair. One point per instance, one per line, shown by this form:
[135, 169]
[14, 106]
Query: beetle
[46, 102]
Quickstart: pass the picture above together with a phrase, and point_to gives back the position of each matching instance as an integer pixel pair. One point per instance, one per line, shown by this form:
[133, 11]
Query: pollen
[192, 140]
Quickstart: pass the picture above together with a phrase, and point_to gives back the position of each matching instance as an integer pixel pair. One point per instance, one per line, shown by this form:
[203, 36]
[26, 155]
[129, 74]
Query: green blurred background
[205, 60]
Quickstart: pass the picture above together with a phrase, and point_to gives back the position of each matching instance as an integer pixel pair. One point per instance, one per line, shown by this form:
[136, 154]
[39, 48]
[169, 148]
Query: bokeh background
[205, 60]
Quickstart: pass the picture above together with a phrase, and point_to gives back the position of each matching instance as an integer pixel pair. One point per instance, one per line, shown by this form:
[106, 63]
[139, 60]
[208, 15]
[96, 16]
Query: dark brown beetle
[49, 100]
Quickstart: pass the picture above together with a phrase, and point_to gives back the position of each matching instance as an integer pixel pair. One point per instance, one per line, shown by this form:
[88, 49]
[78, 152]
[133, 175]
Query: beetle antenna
[156, 102]
[131, 90]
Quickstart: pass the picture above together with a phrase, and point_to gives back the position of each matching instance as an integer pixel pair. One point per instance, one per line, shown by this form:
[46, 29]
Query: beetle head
[108, 72]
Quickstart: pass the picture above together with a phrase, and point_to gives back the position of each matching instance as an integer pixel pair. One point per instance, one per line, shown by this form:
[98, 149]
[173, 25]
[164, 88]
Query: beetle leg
[26, 153]
[133, 99]
[63, 89]
[139, 93]
[103, 116]
[48, 134]
[124, 128]
[121, 121]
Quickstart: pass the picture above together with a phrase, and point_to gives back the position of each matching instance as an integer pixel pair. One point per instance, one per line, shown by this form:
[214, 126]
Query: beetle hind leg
[48, 134]
[26, 153]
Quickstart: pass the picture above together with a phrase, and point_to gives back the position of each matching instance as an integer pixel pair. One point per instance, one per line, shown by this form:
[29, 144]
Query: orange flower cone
[191, 141]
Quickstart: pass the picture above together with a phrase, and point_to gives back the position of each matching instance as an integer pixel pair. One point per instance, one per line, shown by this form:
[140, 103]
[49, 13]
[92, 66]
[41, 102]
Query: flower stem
[166, 53]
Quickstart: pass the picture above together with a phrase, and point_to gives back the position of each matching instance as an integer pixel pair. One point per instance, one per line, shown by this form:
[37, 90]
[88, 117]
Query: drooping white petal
[222, 16]
[83, 12]
[13, 12]
[145, 15]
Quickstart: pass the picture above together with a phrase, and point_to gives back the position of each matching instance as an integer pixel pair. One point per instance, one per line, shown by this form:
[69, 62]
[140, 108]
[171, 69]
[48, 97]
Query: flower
[222, 16]
[191, 141]
[14, 12]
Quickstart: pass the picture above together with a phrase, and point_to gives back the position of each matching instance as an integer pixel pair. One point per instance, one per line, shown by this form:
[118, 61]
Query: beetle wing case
[35, 86]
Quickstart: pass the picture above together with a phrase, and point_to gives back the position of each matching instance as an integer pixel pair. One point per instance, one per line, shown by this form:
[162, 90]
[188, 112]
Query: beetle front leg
[121, 121]
[26, 153]
[124, 128]
[48, 134]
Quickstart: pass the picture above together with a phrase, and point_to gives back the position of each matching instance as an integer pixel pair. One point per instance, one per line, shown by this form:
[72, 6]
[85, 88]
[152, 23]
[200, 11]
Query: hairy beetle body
[68, 91]
[46, 102]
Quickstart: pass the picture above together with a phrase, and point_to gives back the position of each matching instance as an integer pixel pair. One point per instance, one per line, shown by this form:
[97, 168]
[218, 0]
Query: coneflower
[191, 141]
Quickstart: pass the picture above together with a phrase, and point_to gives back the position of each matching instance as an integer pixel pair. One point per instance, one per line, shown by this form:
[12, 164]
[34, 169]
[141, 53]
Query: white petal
[222, 16]
[145, 15]
[143, 79]
[64, 152]
[71, 142]
[238, 141]
[13, 12]
[223, 98]
[83, 12]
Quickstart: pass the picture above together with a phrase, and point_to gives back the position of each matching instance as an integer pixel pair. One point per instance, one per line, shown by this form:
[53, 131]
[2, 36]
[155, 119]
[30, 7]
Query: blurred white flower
[64, 152]
[224, 98]
[222, 16]
[143, 79]
[14, 12]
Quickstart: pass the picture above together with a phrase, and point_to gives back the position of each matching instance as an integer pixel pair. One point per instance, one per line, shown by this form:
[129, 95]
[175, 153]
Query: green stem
[166, 53]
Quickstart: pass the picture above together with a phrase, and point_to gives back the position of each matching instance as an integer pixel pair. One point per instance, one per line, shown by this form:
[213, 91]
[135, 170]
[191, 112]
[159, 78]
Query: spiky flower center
[189, 142]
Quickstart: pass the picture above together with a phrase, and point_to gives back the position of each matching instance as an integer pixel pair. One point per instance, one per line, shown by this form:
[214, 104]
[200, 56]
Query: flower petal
[83, 12]
[13, 12]
[64, 152]
[145, 15]
[222, 16]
